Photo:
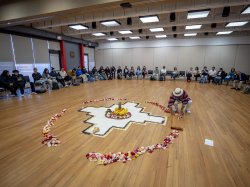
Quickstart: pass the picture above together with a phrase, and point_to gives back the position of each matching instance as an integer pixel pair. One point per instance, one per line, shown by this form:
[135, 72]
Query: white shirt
[212, 73]
[63, 74]
[163, 70]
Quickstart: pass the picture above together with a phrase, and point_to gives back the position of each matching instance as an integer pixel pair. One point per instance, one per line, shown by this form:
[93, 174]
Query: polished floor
[218, 113]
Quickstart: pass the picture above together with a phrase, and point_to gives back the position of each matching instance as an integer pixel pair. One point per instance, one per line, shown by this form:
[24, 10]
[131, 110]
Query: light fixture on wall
[175, 35]
[198, 14]
[79, 27]
[134, 37]
[110, 23]
[111, 33]
[112, 39]
[98, 34]
[236, 24]
[147, 37]
[59, 37]
[224, 32]
[206, 33]
[123, 38]
[190, 34]
[140, 31]
[125, 32]
[156, 29]
[246, 10]
[190, 27]
[149, 19]
[161, 36]
[174, 28]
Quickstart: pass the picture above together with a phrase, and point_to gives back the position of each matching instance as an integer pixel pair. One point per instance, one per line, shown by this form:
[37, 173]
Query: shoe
[33, 93]
[22, 95]
[188, 111]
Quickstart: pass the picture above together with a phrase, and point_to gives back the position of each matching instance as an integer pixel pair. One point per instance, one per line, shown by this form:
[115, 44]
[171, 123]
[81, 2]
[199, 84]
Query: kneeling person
[179, 96]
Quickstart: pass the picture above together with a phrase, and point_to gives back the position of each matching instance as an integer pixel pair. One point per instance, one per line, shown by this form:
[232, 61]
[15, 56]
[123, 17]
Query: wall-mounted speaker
[123, 38]
[147, 37]
[213, 25]
[174, 28]
[129, 21]
[175, 35]
[226, 11]
[172, 17]
[140, 31]
[206, 33]
[93, 25]
[111, 33]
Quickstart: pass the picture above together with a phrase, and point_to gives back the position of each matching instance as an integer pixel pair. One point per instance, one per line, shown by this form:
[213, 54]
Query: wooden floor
[218, 113]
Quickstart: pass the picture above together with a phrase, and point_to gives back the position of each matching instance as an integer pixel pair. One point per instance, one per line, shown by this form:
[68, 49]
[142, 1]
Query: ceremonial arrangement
[119, 116]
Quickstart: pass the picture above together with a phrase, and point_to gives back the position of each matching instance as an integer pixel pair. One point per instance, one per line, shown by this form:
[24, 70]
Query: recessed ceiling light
[161, 36]
[189, 27]
[112, 39]
[125, 32]
[134, 37]
[99, 34]
[224, 32]
[110, 23]
[236, 24]
[197, 14]
[246, 10]
[190, 34]
[78, 27]
[149, 19]
[156, 29]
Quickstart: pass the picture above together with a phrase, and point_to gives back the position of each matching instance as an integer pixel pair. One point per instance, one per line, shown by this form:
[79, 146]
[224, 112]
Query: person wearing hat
[179, 96]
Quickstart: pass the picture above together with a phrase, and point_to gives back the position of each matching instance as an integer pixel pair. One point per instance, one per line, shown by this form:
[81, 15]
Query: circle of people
[54, 79]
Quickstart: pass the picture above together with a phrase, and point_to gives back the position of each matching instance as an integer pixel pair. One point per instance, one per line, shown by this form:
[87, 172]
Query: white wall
[225, 53]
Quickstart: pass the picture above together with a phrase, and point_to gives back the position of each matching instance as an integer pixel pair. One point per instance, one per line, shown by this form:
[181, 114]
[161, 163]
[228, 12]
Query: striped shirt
[184, 98]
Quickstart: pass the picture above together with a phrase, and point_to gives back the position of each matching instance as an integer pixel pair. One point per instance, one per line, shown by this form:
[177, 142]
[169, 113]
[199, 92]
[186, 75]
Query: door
[55, 60]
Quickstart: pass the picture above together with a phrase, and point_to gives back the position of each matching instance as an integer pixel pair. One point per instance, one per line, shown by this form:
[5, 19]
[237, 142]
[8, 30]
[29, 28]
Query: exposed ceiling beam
[145, 9]
[164, 24]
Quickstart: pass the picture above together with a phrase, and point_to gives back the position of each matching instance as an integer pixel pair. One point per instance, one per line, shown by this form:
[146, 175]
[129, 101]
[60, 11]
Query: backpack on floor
[152, 78]
[55, 86]
[41, 90]
[76, 84]
[161, 78]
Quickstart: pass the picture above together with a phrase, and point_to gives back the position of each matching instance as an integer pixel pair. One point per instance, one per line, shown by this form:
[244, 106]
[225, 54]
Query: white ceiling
[58, 21]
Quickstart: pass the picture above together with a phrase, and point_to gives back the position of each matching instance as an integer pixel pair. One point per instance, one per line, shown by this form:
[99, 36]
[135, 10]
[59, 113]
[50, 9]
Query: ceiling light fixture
[112, 39]
[79, 27]
[224, 32]
[198, 14]
[161, 36]
[156, 29]
[246, 10]
[110, 23]
[189, 27]
[236, 24]
[99, 34]
[190, 34]
[149, 19]
[125, 32]
[134, 37]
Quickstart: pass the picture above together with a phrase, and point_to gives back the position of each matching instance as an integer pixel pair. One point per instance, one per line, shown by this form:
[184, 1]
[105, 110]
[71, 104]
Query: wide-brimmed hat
[178, 92]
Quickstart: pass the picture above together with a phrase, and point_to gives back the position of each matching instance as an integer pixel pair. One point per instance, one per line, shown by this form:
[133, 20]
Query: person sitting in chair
[156, 74]
[131, 72]
[6, 82]
[179, 96]
[19, 81]
[144, 72]
[119, 73]
[164, 73]
[212, 74]
[239, 79]
[138, 72]
[175, 73]
[57, 76]
[126, 72]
